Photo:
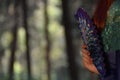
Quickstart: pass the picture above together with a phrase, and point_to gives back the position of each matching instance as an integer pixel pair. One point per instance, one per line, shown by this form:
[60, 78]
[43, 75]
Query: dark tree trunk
[1, 56]
[72, 40]
[25, 25]
[12, 57]
[14, 42]
[48, 45]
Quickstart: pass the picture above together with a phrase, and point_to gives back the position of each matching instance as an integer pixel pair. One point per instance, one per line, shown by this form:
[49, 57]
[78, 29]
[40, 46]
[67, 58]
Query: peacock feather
[91, 38]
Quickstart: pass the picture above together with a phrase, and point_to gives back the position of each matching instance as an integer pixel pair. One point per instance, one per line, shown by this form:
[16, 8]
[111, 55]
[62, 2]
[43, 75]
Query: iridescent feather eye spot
[84, 29]
[84, 21]
[80, 20]
[88, 25]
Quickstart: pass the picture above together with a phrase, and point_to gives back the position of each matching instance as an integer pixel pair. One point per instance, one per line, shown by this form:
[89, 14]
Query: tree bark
[71, 37]
[25, 25]
[48, 43]
[14, 42]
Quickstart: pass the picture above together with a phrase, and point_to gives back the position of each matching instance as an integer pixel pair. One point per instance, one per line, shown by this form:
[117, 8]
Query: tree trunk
[25, 25]
[72, 39]
[14, 42]
[48, 43]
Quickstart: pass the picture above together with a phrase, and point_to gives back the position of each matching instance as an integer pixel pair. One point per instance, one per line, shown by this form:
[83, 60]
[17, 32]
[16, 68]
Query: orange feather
[100, 15]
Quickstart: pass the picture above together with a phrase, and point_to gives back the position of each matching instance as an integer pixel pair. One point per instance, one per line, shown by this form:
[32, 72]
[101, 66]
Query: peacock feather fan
[91, 38]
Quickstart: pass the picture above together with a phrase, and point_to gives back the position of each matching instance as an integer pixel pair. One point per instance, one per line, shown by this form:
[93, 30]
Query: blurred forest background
[39, 40]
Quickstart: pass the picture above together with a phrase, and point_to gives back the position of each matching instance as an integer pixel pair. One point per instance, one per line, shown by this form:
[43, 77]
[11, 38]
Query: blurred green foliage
[37, 43]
